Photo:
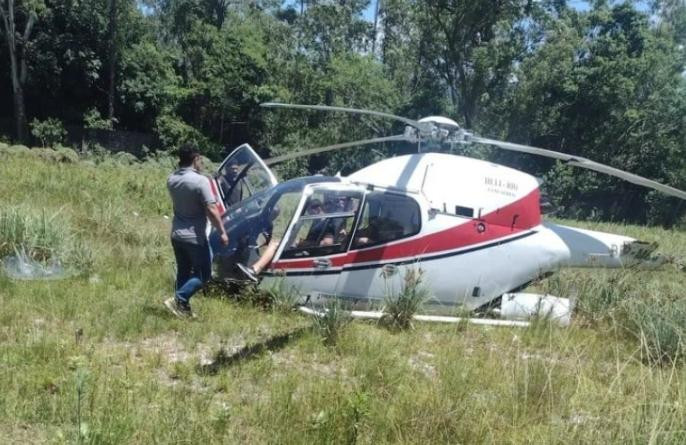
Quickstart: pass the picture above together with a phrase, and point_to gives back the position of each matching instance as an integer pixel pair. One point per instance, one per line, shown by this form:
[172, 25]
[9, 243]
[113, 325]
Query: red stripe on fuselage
[217, 197]
[506, 221]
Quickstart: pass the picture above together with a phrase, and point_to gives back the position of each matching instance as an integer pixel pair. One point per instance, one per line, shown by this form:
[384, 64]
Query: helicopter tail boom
[589, 248]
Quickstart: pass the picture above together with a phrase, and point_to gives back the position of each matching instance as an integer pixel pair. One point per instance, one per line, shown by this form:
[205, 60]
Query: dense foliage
[603, 80]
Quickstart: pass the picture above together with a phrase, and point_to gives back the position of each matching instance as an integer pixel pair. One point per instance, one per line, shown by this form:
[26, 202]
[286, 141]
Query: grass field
[94, 358]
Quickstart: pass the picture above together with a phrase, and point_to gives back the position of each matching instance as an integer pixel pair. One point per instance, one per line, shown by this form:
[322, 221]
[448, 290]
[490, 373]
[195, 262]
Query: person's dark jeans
[193, 268]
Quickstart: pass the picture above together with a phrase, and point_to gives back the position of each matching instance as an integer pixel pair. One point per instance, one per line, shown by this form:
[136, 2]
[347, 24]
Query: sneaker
[179, 309]
[249, 272]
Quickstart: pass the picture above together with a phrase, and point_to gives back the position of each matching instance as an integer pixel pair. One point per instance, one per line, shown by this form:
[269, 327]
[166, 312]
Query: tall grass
[401, 307]
[652, 316]
[332, 322]
[44, 238]
[660, 327]
[593, 382]
[40, 235]
[282, 295]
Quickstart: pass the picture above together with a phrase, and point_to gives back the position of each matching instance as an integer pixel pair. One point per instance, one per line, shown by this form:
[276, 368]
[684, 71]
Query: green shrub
[50, 132]
[124, 158]
[47, 154]
[173, 132]
[93, 120]
[209, 165]
[161, 159]
[399, 309]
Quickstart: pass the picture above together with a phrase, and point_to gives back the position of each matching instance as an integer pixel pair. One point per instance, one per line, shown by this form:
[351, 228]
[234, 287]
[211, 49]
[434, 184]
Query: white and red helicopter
[474, 228]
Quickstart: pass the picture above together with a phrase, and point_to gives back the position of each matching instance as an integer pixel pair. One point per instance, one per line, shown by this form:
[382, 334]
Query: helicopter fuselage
[473, 229]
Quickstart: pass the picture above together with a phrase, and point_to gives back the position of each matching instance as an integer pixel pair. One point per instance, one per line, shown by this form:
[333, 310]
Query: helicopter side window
[387, 217]
[325, 225]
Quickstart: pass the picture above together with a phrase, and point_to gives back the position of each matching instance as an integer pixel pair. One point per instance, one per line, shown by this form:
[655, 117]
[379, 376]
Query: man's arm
[212, 211]
[216, 220]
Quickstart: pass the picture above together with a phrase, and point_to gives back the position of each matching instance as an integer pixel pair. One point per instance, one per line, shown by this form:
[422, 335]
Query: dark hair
[187, 154]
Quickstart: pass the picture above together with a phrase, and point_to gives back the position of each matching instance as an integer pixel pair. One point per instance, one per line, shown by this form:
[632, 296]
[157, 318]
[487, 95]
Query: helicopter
[473, 228]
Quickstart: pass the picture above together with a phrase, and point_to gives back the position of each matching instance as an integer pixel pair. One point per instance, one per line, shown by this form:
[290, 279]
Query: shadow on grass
[223, 360]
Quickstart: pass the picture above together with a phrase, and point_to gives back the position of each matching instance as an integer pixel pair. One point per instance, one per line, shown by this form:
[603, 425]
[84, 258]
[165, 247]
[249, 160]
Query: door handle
[389, 270]
[322, 263]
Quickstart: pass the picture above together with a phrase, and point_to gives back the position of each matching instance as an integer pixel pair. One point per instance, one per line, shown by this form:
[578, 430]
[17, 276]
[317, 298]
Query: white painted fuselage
[480, 236]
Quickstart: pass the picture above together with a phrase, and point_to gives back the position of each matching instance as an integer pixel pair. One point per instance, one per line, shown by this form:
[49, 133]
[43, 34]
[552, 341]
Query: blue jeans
[193, 268]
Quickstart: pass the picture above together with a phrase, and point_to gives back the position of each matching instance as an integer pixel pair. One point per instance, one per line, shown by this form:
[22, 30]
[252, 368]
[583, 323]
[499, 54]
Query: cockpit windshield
[264, 216]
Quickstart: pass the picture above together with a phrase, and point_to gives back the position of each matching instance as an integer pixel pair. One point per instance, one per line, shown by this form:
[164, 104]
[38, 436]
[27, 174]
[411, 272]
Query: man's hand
[216, 220]
[224, 238]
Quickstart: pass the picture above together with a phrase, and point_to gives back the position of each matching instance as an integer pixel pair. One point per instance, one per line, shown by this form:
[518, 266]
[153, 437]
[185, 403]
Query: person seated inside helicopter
[317, 226]
[342, 204]
[378, 230]
[235, 185]
[230, 182]
[365, 236]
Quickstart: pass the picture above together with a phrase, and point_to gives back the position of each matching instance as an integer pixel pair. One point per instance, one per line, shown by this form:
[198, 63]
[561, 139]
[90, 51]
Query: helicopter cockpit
[309, 218]
[325, 224]
[252, 223]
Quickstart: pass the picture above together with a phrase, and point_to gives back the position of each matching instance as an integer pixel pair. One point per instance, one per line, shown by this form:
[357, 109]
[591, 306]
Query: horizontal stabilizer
[588, 248]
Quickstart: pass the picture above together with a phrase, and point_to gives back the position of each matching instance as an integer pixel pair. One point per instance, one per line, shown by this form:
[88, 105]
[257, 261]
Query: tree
[112, 34]
[608, 86]
[17, 43]
[472, 47]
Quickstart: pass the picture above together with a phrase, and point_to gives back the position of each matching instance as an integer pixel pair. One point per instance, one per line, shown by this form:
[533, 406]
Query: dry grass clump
[42, 237]
[282, 296]
[331, 323]
[401, 307]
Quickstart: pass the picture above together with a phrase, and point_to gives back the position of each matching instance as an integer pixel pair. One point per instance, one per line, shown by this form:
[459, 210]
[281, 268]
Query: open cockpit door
[241, 175]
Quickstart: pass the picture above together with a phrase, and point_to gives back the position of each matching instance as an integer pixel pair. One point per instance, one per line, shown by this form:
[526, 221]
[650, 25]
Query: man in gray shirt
[193, 205]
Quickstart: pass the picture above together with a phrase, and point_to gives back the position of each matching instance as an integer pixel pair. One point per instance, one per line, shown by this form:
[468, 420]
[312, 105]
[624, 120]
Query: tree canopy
[604, 80]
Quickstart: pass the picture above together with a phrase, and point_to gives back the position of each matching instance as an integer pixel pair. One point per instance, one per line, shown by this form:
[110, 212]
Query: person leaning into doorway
[193, 204]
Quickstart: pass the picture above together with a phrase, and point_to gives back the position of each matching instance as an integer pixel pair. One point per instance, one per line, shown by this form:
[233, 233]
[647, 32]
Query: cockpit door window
[243, 174]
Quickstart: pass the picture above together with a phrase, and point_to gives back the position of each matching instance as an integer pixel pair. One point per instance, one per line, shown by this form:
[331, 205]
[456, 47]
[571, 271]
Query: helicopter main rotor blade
[579, 161]
[415, 124]
[313, 151]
